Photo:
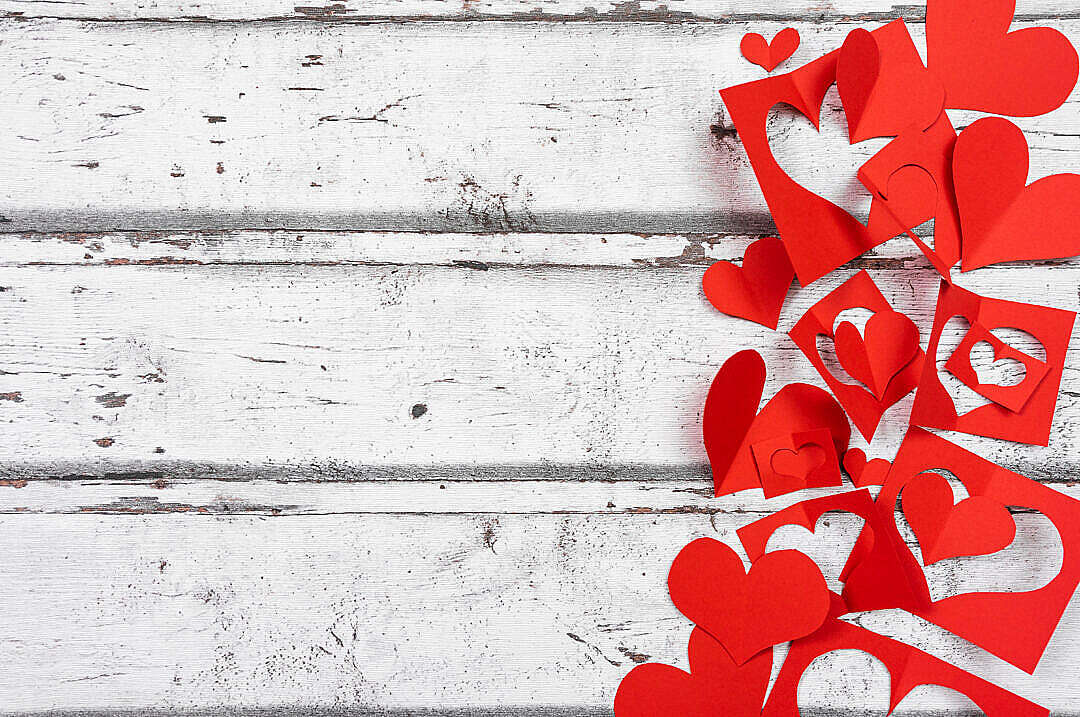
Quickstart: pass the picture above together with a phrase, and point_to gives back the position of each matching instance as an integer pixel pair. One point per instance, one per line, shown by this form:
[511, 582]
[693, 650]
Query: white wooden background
[352, 355]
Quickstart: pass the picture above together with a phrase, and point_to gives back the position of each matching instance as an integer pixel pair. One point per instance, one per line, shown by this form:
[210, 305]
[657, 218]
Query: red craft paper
[1003, 217]
[874, 578]
[755, 291]
[891, 342]
[934, 408]
[770, 54]
[886, 345]
[730, 409]
[863, 472]
[1015, 626]
[782, 597]
[794, 461]
[729, 435]
[884, 93]
[715, 684]
[985, 67]
[908, 668]
[911, 198]
[819, 236]
[1011, 397]
[974, 526]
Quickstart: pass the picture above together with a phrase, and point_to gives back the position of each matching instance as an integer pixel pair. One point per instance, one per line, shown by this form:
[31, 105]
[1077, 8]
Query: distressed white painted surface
[261, 521]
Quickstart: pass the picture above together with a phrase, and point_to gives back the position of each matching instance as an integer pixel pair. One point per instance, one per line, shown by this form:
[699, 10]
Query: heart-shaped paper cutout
[730, 410]
[889, 343]
[798, 463]
[714, 686]
[976, 525]
[770, 54]
[863, 472]
[782, 597]
[985, 67]
[883, 100]
[1001, 218]
[757, 290]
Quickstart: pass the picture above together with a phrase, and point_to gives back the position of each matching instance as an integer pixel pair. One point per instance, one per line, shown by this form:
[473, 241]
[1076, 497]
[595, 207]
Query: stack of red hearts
[973, 185]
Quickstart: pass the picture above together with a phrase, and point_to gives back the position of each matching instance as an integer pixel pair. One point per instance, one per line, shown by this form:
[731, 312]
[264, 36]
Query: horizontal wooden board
[670, 11]
[471, 126]
[189, 612]
[370, 370]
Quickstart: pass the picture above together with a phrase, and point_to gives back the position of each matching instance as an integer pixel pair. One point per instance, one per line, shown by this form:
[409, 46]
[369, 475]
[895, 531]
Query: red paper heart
[863, 472]
[730, 409]
[882, 101]
[714, 686]
[975, 526]
[770, 54]
[890, 342]
[985, 67]
[758, 289]
[782, 597]
[798, 463]
[1002, 219]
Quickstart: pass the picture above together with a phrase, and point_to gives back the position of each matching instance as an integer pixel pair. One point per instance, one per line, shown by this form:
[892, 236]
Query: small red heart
[770, 54]
[1001, 216]
[758, 289]
[863, 472]
[985, 67]
[883, 96]
[977, 525]
[714, 686]
[890, 343]
[798, 463]
[783, 596]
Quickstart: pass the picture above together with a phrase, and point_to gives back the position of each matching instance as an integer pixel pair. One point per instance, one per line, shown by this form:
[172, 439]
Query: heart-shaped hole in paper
[963, 398]
[828, 546]
[823, 161]
[798, 463]
[1004, 371]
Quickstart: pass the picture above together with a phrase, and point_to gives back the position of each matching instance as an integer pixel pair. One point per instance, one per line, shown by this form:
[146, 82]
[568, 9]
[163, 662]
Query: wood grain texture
[526, 126]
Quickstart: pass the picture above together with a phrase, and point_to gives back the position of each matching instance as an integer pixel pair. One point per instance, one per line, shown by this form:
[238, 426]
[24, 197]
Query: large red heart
[770, 54]
[977, 525]
[985, 67]
[783, 596]
[1002, 219]
[881, 100]
[714, 686]
[888, 343]
[757, 290]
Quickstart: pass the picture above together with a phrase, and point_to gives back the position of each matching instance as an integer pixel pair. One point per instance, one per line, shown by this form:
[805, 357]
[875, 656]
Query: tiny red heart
[798, 463]
[1001, 216]
[783, 596]
[977, 525]
[863, 472]
[889, 343]
[770, 54]
[714, 686]
[757, 290]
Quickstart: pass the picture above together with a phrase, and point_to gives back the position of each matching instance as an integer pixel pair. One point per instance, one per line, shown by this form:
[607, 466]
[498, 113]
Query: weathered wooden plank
[672, 11]
[413, 126]
[187, 612]
[352, 372]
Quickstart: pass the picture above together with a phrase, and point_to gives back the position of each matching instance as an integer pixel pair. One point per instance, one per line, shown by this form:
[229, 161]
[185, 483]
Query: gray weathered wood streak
[536, 126]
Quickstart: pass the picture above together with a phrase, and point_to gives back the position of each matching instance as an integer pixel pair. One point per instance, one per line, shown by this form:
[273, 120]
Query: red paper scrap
[934, 408]
[1003, 217]
[908, 668]
[794, 461]
[887, 359]
[730, 429]
[985, 67]
[755, 291]
[770, 54]
[1011, 397]
[782, 597]
[874, 577]
[715, 684]
[1015, 626]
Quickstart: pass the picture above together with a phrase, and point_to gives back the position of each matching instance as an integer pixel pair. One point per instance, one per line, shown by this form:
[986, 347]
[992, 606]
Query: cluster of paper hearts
[973, 185]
